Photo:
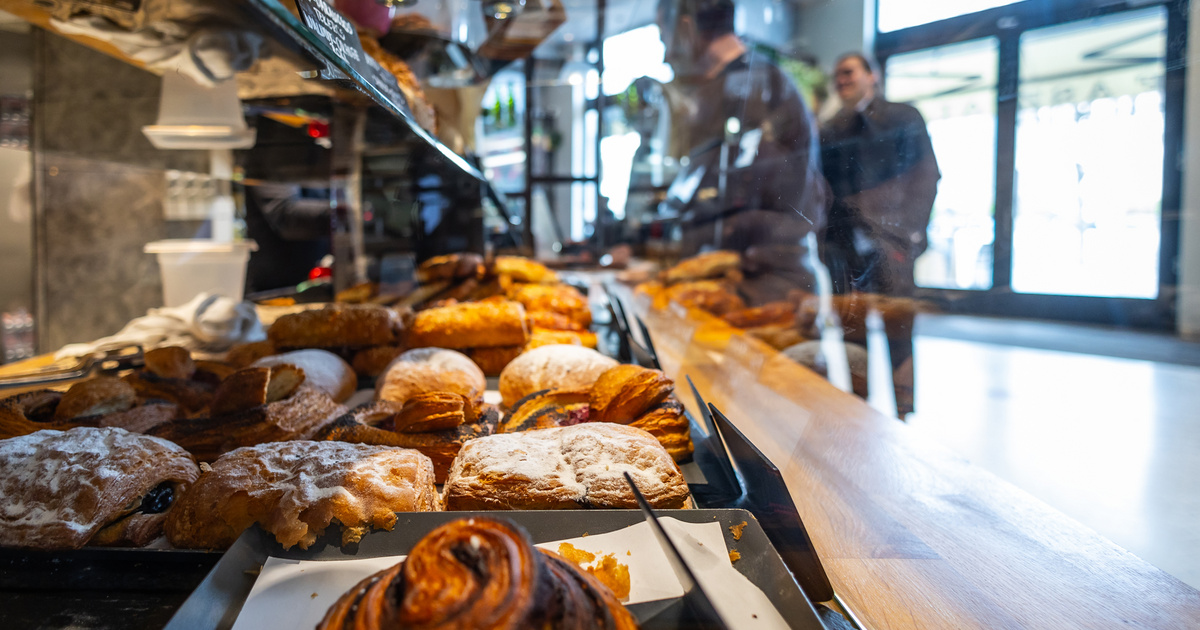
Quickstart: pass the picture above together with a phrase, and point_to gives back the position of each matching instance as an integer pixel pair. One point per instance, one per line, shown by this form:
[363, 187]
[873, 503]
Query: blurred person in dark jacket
[879, 162]
[751, 179]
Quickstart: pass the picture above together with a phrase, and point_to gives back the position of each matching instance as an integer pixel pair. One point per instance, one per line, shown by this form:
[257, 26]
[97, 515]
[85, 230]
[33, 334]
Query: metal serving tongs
[698, 610]
[643, 355]
[748, 480]
[108, 362]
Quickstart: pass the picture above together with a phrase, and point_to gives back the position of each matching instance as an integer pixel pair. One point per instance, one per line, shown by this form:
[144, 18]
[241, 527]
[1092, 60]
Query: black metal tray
[97, 588]
[218, 600]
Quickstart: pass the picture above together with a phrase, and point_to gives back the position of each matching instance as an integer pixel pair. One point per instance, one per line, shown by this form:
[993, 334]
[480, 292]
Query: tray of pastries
[591, 569]
[485, 395]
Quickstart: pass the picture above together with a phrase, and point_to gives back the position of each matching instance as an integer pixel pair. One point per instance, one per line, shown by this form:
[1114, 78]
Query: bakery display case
[603, 313]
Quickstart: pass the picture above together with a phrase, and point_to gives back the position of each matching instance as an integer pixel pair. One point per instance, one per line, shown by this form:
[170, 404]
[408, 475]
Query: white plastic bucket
[190, 267]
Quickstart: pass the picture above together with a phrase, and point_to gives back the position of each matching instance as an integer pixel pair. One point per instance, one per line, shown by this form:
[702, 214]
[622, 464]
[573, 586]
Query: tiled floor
[1111, 442]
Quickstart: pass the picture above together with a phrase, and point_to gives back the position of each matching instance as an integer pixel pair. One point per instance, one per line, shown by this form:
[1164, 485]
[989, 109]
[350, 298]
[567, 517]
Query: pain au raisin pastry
[551, 367]
[427, 370]
[478, 573]
[471, 325]
[436, 424]
[294, 490]
[89, 486]
[562, 469]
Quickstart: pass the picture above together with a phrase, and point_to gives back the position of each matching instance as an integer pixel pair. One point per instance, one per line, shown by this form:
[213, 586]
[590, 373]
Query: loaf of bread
[295, 490]
[337, 326]
[323, 370]
[551, 367]
[474, 325]
[426, 370]
[67, 489]
[564, 468]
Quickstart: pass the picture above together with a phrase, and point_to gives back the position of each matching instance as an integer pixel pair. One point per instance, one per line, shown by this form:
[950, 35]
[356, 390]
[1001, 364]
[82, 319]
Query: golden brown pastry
[25, 413]
[95, 397]
[337, 326]
[704, 266]
[211, 373]
[478, 573]
[712, 296]
[440, 446]
[625, 392]
[557, 298]
[143, 418]
[474, 325]
[450, 267]
[770, 314]
[434, 411]
[564, 468]
[297, 417]
[523, 270]
[243, 355]
[192, 396]
[551, 367]
[493, 360]
[427, 370]
[295, 490]
[545, 337]
[67, 489]
[668, 424]
[371, 362]
[550, 320]
[170, 362]
[323, 370]
[252, 387]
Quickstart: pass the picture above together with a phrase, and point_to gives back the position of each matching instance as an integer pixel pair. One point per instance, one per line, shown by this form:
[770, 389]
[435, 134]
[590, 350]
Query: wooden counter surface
[911, 535]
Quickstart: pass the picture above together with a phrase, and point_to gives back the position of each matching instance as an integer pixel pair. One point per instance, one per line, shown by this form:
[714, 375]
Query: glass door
[1089, 157]
[954, 88]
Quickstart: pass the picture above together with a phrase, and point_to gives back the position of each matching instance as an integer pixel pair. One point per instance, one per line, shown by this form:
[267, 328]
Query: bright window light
[632, 55]
[897, 14]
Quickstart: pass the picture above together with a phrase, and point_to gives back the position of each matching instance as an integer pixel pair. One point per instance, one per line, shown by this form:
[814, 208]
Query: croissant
[523, 270]
[559, 298]
[475, 325]
[478, 573]
[710, 265]
[625, 392]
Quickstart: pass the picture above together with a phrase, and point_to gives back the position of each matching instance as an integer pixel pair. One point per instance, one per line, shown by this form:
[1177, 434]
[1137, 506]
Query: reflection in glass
[954, 87]
[1089, 157]
[898, 14]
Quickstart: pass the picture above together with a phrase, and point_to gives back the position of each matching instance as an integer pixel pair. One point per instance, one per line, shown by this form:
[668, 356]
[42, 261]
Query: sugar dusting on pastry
[60, 487]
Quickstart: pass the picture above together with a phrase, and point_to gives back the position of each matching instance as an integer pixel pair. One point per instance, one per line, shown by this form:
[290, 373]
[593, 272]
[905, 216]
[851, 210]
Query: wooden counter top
[911, 535]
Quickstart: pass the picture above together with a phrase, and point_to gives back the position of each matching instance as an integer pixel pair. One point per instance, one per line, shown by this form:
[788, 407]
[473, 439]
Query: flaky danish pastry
[67, 489]
[295, 490]
[564, 468]
[625, 392]
[478, 573]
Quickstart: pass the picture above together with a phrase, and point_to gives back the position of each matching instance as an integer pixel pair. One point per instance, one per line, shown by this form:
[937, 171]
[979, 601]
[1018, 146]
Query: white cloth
[209, 323]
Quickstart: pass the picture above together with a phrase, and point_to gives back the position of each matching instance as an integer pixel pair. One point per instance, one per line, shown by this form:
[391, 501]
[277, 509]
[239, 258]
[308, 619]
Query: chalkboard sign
[339, 34]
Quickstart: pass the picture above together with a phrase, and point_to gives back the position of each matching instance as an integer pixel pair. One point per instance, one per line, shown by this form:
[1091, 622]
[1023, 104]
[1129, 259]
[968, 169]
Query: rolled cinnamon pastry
[295, 490]
[89, 486]
[478, 573]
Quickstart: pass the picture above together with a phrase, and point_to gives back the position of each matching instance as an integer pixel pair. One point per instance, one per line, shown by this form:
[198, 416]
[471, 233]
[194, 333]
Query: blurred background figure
[739, 123]
[879, 162]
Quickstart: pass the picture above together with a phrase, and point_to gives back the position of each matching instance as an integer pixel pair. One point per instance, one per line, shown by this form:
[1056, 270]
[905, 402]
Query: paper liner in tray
[219, 600]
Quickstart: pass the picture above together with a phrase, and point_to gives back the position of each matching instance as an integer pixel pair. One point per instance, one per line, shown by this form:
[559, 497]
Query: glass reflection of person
[880, 165]
[751, 180]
